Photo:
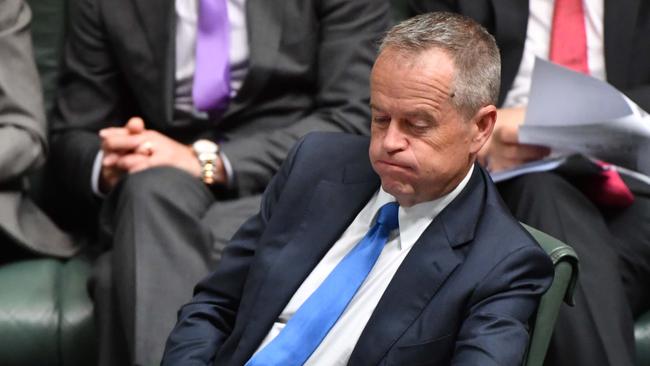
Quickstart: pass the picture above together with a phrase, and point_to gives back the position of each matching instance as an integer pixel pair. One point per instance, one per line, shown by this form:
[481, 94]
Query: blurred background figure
[24, 228]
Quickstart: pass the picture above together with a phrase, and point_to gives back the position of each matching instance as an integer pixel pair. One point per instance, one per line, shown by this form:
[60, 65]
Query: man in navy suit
[611, 238]
[455, 283]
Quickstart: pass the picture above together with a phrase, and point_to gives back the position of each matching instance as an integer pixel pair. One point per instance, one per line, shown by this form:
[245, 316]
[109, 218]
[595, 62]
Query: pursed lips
[393, 164]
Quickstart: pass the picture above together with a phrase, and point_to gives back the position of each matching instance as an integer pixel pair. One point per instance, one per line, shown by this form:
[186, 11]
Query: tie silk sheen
[608, 189]
[315, 317]
[569, 36]
[569, 48]
[211, 86]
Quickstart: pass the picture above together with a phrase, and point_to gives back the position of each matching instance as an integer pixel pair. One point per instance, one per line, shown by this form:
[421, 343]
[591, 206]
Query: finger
[110, 159]
[146, 148]
[122, 142]
[131, 161]
[524, 152]
[113, 131]
[135, 125]
[497, 165]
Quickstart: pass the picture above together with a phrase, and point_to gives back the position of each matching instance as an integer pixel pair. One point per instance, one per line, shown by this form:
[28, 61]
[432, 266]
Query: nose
[394, 139]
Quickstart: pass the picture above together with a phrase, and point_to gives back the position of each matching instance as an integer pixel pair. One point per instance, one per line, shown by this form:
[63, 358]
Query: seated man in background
[608, 42]
[181, 112]
[444, 274]
[23, 142]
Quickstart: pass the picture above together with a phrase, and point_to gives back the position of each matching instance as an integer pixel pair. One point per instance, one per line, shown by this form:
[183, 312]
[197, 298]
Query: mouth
[392, 164]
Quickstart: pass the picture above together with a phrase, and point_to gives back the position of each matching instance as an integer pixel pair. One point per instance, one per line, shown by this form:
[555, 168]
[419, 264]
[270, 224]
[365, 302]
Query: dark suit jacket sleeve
[495, 330]
[22, 120]
[347, 43]
[206, 322]
[91, 95]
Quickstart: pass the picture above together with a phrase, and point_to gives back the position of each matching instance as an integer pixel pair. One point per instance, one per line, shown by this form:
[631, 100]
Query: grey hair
[472, 49]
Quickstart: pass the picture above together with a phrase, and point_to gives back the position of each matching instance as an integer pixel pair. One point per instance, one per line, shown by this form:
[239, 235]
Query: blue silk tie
[315, 317]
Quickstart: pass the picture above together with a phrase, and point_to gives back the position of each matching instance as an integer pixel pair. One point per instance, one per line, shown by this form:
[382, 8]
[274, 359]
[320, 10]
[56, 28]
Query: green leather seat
[642, 338]
[565, 263]
[46, 315]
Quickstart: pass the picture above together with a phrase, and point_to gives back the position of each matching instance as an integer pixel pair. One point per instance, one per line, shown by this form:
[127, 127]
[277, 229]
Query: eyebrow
[416, 114]
[419, 114]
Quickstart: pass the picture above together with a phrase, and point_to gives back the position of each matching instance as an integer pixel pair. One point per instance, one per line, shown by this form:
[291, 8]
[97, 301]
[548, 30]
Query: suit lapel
[426, 267]
[333, 207]
[619, 24]
[264, 20]
[158, 21]
[419, 277]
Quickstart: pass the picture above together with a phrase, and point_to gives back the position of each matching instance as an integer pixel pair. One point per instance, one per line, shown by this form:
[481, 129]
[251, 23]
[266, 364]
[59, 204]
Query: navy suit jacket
[462, 296]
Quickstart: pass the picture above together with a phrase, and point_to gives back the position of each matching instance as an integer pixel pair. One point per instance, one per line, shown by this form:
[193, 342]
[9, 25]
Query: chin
[397, 188]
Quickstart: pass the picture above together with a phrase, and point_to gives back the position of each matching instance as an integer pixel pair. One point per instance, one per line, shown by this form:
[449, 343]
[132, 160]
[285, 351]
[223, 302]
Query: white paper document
[574, 113]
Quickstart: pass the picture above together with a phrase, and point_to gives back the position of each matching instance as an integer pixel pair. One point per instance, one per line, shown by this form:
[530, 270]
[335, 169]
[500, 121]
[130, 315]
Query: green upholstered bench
[46, 315]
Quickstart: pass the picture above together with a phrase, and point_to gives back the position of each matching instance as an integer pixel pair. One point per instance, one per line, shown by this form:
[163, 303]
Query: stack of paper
[574, 113]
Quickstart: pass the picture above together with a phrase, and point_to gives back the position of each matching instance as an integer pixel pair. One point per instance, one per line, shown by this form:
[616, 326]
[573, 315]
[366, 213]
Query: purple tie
[211, 89]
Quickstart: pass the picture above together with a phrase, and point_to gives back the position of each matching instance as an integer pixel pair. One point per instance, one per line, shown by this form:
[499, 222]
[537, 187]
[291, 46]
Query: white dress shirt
[337, 346]
[538, 38]
[186, 29]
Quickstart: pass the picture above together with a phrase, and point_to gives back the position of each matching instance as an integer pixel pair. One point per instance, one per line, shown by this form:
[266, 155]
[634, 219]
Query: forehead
[399, 75]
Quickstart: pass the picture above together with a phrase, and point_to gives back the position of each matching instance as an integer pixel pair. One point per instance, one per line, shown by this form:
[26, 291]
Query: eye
[420, 125]
[380, 119]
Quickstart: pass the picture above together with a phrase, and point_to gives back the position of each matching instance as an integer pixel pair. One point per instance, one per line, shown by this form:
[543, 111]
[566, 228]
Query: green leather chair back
[565, 262]
[48, 28]
[642, 339]
[48, 33]
[46, 314]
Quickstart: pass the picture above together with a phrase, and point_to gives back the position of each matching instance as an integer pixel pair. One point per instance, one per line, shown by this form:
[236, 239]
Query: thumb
[135, 125]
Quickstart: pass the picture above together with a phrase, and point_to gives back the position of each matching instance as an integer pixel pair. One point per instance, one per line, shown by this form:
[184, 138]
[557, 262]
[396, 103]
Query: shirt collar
[415, 219]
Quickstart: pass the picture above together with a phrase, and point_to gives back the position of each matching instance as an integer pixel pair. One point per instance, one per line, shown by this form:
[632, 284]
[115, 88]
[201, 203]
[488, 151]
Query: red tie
[608, 189]
[569, 48]
[568, 36]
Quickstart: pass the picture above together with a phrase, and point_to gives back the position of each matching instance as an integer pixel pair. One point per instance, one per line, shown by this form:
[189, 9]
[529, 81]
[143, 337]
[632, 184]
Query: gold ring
[147, 148]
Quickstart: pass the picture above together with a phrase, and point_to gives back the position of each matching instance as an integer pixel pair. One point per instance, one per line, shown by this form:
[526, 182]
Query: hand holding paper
[571, 112]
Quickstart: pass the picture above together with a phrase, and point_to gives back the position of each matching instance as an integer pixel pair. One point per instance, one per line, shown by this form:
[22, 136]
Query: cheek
[374, 150]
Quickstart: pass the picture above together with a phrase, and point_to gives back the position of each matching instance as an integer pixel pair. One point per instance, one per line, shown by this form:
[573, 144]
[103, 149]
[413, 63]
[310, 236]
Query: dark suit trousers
[614, 251]
[167, 232]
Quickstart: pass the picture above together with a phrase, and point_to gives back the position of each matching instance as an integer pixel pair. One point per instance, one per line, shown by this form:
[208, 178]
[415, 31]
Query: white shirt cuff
[94, 177]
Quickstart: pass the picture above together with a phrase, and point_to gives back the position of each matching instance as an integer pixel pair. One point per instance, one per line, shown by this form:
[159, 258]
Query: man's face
[420, 146]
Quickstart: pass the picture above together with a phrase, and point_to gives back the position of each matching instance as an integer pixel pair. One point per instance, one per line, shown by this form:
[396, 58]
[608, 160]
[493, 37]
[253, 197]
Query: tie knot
[388, 216]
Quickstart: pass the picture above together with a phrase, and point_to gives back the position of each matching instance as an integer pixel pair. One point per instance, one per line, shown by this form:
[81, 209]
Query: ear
[482, 125]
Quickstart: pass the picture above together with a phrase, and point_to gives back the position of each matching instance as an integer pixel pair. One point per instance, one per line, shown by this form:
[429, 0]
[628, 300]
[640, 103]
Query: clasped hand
[133, 148]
